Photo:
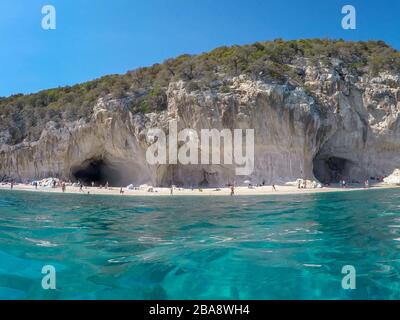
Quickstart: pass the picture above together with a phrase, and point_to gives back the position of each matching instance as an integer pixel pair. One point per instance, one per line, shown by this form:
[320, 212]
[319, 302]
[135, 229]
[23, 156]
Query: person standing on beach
[232, 190]
[273, 188]
[80, 186]
[92, 184]
[121, 191]
[106, 186]
[12, 185]
[171, 190]
[62, 186]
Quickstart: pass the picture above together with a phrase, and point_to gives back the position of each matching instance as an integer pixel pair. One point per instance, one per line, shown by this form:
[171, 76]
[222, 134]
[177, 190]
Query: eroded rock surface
[334, 126]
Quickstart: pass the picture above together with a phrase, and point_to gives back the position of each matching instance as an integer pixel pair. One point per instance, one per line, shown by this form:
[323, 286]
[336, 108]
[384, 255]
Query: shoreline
[239, 191]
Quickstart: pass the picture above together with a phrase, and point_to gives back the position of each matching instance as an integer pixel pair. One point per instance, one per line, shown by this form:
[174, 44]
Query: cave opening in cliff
[98, 171]
[331, 169]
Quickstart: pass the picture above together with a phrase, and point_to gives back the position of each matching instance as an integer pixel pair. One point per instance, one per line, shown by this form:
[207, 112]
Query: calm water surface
[261, 247]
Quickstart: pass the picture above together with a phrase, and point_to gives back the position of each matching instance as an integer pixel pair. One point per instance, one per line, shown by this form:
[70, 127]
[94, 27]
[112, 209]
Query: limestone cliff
[333, 125]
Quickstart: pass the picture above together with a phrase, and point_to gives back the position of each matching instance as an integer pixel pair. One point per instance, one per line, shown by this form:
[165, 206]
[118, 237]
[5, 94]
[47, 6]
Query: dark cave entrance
[98, 171]
[331, 169]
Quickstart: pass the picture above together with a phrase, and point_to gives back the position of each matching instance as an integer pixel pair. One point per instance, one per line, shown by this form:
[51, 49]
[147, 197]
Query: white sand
[239, 191]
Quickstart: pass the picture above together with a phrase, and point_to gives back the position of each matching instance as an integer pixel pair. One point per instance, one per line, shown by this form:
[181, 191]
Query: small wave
[221, 239]
[292, 240]
[118, 260]
[312, 265]
[42, 243]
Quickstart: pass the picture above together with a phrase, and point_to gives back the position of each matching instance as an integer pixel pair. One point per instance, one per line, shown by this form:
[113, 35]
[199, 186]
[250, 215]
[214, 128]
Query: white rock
[394, 178]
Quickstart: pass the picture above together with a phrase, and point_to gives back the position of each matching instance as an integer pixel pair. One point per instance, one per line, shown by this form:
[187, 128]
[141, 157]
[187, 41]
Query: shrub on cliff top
[24, 116]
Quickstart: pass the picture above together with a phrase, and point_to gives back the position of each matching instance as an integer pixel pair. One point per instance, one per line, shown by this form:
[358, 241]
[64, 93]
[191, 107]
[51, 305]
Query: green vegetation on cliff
[24, 116]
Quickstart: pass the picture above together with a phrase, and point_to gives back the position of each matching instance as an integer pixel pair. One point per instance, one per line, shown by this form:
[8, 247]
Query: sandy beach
[239, 191]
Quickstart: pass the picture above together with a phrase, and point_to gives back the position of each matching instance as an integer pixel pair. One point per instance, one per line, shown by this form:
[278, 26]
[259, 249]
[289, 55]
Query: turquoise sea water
[261, 247]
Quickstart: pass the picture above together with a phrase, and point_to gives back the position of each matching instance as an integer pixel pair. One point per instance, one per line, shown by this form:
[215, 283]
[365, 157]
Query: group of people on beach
[250, 186]
[343, 183]
[301, 184]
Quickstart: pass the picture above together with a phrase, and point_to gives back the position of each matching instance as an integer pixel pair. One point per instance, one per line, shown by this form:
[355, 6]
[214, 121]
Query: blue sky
[98, 37]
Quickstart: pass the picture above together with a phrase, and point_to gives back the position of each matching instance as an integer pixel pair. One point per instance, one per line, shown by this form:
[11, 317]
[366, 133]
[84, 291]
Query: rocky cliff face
[333, 126]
